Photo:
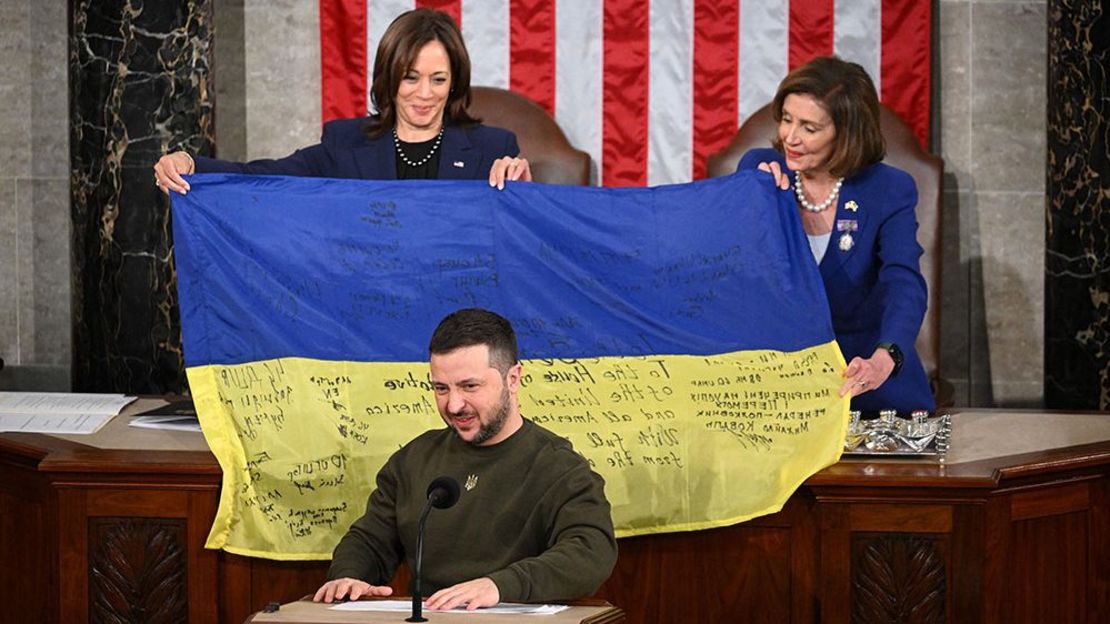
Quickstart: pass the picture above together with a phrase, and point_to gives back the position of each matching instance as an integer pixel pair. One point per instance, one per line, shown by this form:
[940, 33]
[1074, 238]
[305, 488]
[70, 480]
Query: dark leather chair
[904, 152]
[552, 158]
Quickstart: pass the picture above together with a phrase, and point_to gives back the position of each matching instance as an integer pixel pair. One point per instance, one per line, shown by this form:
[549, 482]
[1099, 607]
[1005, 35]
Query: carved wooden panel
[137, 570]
[898, 578]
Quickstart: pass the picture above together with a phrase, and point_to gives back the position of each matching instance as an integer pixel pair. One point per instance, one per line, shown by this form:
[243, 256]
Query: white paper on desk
[405, 606]
[62, 403]
[54, 423]
[174, 423]
[58, 412]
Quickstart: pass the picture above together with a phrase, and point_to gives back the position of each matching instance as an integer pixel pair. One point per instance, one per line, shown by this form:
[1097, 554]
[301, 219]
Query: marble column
[140, 85]
[1077, 258]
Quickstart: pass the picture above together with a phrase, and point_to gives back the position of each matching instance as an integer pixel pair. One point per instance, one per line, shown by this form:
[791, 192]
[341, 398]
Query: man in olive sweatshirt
[532, 523]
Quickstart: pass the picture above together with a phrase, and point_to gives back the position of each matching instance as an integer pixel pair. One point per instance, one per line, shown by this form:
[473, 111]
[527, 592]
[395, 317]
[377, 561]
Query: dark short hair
[847, 93]
[397, 51]
[475, 326]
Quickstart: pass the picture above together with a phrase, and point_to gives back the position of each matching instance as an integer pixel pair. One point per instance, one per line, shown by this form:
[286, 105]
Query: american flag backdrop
[650, 88]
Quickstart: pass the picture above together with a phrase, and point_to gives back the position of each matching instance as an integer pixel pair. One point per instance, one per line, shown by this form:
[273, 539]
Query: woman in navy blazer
[858, 214]
[422, 130]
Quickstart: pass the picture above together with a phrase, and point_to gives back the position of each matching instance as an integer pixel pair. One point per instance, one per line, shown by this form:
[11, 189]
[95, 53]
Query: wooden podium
[1014, 528]
[307, 612]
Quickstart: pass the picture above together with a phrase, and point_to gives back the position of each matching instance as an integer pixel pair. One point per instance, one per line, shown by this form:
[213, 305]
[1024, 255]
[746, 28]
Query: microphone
[443, 492]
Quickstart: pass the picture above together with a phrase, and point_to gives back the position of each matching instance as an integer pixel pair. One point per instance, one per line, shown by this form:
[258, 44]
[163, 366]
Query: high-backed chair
[904, 152]
[551, 156]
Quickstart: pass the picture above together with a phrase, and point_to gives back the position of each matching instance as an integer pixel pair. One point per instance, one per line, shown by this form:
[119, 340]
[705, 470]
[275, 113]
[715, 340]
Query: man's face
[472, 396]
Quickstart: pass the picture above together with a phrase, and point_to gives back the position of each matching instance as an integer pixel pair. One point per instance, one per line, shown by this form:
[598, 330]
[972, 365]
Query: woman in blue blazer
[422, 130]
[858, 215]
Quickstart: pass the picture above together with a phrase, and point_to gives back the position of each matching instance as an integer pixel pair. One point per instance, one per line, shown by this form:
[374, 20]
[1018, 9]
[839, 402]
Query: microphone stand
[417, 598]
[443, 492]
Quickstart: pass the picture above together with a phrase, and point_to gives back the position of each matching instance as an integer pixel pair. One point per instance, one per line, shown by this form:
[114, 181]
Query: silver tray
[920, 435]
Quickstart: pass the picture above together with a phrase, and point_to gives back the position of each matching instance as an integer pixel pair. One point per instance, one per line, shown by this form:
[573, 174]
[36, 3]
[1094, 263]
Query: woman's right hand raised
[781, 179]
[349, 588]
[169, 169]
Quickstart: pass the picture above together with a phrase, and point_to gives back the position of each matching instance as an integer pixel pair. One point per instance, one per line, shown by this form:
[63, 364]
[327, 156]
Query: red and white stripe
[649, 88]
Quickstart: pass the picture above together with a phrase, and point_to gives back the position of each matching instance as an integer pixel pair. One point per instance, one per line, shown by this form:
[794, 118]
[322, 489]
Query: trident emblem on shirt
[471, 482]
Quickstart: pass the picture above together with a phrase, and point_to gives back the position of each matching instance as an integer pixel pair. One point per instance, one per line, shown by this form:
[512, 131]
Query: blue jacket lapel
[377, 160]
[835, 256]
[459, 160]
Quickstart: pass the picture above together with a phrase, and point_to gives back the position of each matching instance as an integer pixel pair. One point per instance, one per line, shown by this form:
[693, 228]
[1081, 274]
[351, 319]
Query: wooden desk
[308, 612]
[1015, 528]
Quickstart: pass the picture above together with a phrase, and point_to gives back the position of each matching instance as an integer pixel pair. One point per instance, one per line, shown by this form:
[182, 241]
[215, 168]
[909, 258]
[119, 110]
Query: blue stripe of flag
[361, 270]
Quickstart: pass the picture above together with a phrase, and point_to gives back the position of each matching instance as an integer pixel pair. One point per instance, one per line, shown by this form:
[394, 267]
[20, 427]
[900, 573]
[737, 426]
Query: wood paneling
[137, 503]
[203, 564]
[1048, 569]
[965, 603]
[1015, 539]
[1098, 570]
[73, 555]
[284, 581]
[900, 518]
[699, 576]
[1041, 502]
[28, 550]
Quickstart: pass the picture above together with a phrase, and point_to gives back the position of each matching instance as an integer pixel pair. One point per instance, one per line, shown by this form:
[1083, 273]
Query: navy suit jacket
[875, 289]
[467, 153]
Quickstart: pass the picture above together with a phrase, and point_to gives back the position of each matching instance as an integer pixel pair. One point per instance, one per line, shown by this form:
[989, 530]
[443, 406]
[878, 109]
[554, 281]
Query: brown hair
[397, 51]
[848, 95]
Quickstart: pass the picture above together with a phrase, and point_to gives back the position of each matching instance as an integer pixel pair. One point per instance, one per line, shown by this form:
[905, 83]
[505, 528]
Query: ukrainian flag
[679, 336]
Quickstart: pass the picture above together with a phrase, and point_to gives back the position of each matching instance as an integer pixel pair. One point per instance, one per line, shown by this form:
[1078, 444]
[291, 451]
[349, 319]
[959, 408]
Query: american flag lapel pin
[458, 164]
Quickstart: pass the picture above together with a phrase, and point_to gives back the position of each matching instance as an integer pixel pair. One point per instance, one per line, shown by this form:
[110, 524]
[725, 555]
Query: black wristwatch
[895, 354]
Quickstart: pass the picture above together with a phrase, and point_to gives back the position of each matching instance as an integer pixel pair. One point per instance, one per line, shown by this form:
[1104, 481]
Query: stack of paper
[58, 412]
[176, 416]
[403, 606]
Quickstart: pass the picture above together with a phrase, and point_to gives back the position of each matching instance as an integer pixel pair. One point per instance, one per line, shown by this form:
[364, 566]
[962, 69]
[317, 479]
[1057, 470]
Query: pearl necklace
[405, 159]
[815, 207]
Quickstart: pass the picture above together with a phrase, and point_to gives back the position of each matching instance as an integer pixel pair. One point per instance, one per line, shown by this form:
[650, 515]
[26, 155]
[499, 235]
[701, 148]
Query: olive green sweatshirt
[531, 515]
